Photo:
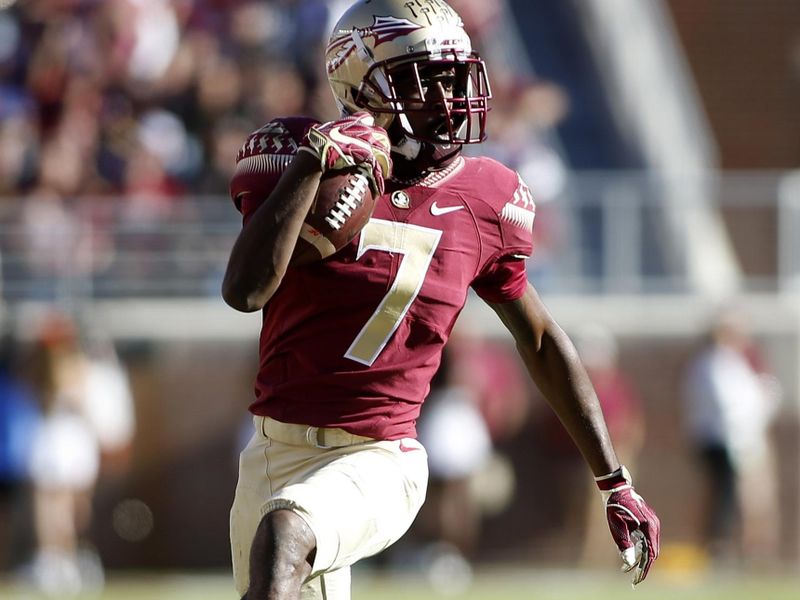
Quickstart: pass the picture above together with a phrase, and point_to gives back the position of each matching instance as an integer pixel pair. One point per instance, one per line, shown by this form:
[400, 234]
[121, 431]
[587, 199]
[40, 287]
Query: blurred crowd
[148, 99]
[138, 104]
[113, 113]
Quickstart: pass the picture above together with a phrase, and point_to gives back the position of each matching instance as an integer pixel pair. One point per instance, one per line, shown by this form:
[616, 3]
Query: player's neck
[406, 171]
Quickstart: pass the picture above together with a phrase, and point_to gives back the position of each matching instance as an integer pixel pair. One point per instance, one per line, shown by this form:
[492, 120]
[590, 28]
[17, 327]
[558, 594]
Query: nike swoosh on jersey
[438, 211]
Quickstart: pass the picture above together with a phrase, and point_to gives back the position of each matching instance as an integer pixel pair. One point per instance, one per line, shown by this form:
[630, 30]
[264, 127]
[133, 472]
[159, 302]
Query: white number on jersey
[417, 245]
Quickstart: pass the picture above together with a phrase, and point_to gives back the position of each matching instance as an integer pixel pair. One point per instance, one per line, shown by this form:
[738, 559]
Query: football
[343, 205]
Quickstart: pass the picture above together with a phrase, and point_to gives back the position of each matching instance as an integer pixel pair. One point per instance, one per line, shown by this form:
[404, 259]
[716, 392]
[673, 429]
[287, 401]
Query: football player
[349, 344]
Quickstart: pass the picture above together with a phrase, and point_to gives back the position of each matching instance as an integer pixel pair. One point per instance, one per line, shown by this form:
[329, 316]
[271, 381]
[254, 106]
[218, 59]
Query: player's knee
[284, 545]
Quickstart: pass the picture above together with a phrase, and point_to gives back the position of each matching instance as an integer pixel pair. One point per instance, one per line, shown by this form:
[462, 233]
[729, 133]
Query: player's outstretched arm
[262, 251]
[553, 363]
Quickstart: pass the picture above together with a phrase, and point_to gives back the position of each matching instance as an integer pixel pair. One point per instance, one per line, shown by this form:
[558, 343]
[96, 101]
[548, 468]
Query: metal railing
[607, 234]
[613, 233]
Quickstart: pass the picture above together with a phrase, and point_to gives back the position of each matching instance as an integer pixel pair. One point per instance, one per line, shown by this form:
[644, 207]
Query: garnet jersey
[353, 341]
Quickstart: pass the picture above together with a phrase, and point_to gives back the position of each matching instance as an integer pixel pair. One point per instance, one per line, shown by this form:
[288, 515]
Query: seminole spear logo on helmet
[383, 29]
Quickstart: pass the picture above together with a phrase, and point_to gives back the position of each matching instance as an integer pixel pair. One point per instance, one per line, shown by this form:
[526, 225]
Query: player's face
[425, 90]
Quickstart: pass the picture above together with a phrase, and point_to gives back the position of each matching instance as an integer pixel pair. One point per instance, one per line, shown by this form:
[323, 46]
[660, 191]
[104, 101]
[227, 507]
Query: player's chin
[440, 130]
[432, 127]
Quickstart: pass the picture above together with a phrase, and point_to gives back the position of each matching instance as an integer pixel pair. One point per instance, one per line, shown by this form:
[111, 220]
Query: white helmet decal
[383, 29]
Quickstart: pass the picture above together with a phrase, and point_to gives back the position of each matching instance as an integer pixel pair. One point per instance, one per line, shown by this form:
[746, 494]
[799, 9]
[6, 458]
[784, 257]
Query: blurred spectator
[18, 146]
[88, 422]
[48, 239]
[108, 404]
[459, 446]
[18, 421]
[225, 141]
[65, 458]
[730, 405]
[478, 398]
[492, 371]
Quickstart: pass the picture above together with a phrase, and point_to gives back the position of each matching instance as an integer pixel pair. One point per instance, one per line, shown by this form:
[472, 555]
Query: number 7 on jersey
[417, 245]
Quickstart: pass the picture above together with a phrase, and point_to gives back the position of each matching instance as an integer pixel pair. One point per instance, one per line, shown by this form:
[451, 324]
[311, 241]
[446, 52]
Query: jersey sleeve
[507, 232]
[263, 158]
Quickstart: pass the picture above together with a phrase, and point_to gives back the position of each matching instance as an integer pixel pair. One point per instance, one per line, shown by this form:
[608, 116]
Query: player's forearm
[552, 361]
[557, 371]
[261, 254]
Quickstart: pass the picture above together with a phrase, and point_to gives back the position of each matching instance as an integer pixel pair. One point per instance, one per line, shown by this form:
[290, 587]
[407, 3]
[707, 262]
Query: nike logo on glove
[438, 211]
[340, 138]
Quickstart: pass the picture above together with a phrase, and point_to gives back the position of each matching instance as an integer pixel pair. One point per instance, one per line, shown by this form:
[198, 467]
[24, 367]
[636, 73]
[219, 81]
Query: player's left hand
[634, 526]
[352, 141]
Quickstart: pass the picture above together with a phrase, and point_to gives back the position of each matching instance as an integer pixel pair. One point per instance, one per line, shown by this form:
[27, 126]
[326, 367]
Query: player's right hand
[351, 141]
[634, 526]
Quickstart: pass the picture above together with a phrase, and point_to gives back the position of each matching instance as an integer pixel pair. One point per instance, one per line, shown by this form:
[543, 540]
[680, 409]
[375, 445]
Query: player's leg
[356, 500]
[281, 556]
[280, 540]
[254, 486]
[359, 500]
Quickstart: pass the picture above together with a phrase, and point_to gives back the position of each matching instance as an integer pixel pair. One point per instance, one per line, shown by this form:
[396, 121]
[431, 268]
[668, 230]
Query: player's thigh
[360, 502]
[265, 468]
[357, 500]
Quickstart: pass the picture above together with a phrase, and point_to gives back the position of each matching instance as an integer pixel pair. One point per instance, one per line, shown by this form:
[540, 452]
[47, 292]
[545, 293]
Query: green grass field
[495, 585]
